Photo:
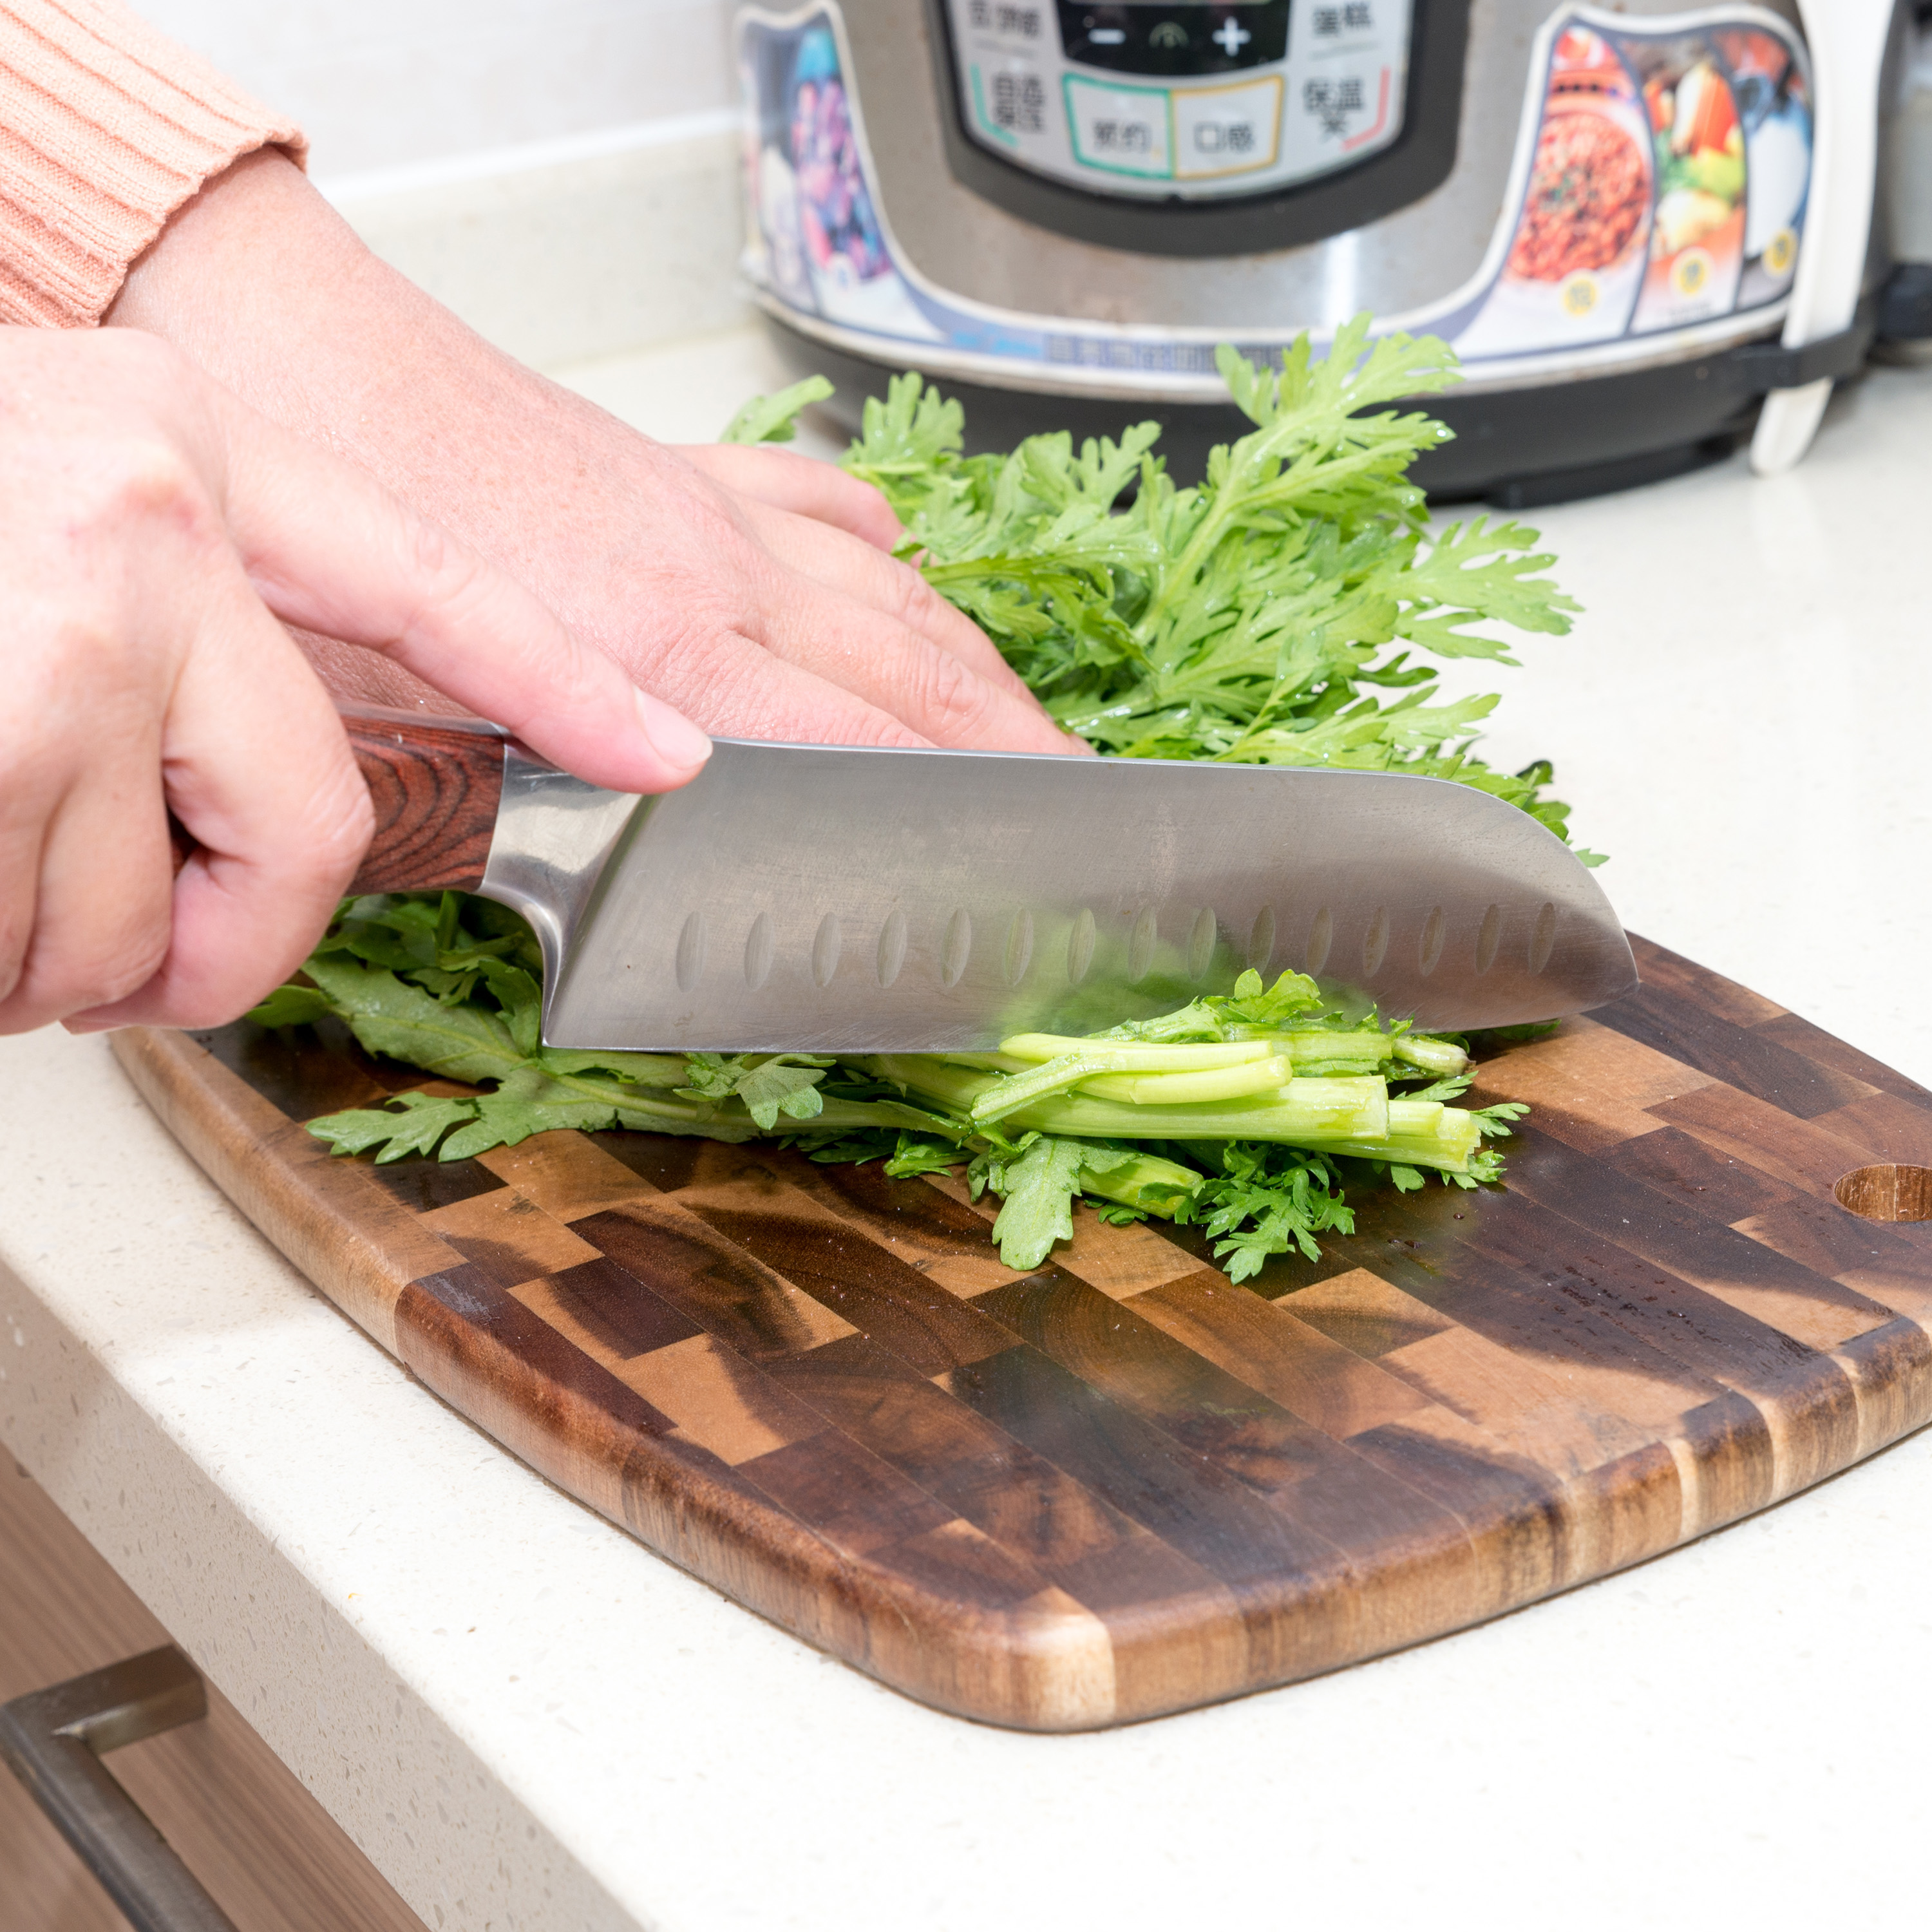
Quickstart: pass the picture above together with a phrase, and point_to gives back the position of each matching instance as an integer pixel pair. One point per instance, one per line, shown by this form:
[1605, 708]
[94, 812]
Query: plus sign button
[1232, 37]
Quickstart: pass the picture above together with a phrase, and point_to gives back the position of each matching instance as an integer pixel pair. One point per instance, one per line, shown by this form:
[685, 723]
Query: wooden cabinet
[272, 1858]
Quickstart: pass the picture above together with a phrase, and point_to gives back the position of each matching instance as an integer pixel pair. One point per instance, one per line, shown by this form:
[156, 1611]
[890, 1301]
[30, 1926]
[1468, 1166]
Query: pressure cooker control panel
[1144, 99]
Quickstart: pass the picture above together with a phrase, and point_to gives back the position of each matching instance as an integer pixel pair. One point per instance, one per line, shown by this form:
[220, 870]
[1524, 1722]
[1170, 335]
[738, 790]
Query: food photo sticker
[815, 235]
[1697, 235]
[1665, 187]
[1774, 105]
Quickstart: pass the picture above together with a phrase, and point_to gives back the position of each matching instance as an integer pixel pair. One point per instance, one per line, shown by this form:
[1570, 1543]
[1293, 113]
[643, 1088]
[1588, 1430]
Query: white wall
[380, 84]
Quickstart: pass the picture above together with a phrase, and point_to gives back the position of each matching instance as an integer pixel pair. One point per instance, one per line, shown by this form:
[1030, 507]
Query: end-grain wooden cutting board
[1121, 1485]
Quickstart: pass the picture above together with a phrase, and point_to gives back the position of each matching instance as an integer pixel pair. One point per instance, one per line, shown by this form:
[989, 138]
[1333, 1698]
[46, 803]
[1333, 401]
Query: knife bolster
[436, 784]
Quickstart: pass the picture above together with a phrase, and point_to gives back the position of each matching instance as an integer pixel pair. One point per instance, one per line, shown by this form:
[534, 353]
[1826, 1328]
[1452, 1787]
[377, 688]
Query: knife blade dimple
[811, 898]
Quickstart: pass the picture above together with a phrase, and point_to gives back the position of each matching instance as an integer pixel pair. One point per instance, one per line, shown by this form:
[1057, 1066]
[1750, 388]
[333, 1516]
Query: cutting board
[1121, 1485]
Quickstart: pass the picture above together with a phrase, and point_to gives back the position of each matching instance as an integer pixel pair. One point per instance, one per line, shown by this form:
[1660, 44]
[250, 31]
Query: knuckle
[139, 477]
[949, 694]
[917, 603]
[432, 556]
[121, 962]
[449, 577]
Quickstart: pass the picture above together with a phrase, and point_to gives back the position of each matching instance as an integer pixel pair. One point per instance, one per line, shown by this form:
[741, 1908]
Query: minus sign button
[1106, 37]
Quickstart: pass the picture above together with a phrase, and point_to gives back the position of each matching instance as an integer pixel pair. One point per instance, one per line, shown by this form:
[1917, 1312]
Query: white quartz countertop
[529, 1721]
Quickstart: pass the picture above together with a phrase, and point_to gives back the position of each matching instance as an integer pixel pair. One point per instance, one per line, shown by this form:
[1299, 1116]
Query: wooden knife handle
[436, 784]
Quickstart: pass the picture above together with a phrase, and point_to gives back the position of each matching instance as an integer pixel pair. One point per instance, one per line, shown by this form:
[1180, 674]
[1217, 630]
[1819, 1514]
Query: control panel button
[1123, 129]
[1144, 37]
[1187, 100]
[1227, 131]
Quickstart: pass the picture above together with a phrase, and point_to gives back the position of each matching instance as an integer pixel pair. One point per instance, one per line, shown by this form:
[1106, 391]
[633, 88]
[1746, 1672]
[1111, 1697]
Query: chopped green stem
[1305, 1111]
[1147, 1182]
[1136, 1056]
[1433, 1056]
[1214, 1083]
[1052, 1076]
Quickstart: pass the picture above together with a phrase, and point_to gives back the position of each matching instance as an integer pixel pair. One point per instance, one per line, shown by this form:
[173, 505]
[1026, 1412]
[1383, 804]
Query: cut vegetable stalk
[1303, 1111]
[1216, 1083]
[1133, 1056]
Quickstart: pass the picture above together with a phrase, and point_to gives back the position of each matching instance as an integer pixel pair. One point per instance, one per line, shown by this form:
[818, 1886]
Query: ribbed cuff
[106, 128]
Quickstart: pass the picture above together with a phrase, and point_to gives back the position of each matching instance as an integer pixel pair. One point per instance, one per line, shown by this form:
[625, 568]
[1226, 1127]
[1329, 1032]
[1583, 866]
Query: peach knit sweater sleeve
[106, 128]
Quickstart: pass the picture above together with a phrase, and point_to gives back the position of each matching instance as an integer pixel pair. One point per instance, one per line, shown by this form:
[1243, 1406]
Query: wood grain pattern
[269, 1855]
[1121, 1485]
[435, 786]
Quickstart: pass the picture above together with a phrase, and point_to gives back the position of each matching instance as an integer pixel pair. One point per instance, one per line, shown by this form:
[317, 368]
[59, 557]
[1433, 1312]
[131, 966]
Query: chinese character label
[1227, 137]
[1019, 102]
[1331, 102]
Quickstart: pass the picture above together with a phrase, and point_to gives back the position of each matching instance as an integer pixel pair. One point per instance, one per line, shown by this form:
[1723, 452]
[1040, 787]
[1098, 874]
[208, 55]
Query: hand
[751, 588]
[883, 633]
[152, 531]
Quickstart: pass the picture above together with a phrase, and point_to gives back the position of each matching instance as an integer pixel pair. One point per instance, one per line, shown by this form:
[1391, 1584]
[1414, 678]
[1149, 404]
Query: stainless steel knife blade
[825, 898]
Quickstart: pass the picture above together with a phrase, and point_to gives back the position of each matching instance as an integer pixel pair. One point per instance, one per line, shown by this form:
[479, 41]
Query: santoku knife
[817, 897]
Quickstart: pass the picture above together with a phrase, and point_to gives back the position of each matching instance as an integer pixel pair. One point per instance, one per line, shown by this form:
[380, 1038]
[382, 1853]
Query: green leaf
[1039, 1188]
[774, 418]
[1246, 618]
[528, 1103]
[389, 1016]
[782, 1085]
[913, 1157]
[292, 1006]
[422, 1122]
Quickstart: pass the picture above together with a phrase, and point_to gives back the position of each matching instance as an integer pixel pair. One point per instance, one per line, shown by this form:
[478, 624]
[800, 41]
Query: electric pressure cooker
[1633, 223]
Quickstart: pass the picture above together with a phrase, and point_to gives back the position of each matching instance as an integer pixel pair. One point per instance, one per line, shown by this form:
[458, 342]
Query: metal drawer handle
[52, 1741]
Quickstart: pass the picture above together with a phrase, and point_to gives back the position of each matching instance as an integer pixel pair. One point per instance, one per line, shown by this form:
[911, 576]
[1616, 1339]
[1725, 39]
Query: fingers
[83, 858]
[326, 547]
[784, 480]
[741, 690]
[890, 666]
[870, 576]
[877, 634]
[256, 766]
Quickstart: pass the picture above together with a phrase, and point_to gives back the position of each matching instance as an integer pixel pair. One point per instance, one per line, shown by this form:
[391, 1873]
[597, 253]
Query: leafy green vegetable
[774, 418]
[1256, 1168]
[1273, 614]
[1249, 619]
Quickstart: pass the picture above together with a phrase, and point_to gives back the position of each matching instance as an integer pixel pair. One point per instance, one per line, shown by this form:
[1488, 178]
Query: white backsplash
[561, 173]
[381, 83]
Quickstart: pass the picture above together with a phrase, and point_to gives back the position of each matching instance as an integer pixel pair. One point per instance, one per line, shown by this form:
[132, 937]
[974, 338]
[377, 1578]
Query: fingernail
[673, 736]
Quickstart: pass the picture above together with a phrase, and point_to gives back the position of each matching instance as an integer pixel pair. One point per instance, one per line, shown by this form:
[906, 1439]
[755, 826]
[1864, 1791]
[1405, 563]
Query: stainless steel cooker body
[963, 241]
[960, 240]
[1080, 199]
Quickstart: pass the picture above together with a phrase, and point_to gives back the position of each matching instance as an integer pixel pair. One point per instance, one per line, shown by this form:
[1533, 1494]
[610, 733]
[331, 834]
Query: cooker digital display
[1145, 99]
